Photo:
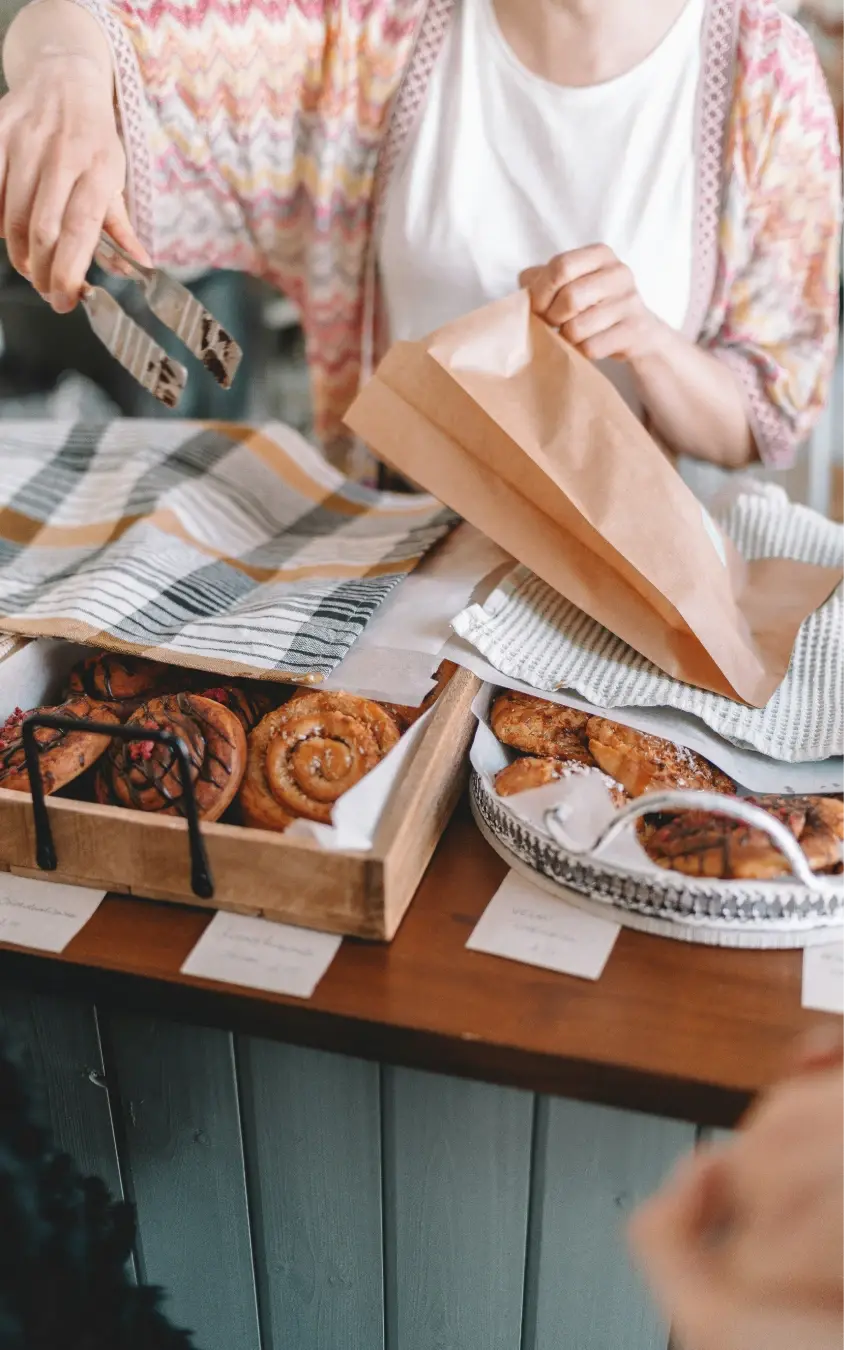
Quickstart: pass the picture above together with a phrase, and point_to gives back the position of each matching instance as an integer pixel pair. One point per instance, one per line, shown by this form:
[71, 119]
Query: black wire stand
[201, 880]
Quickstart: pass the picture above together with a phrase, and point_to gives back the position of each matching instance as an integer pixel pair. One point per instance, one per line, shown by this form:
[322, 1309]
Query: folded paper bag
[510, 426]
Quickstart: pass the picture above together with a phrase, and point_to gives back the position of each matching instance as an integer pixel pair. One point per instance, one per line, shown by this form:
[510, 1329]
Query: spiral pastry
[124, 681]
[306, 754]
[144, 775]
[249, 703]
[63, 755]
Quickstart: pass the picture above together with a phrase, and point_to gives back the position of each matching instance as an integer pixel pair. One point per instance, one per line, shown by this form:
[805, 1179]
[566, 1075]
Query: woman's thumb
[118, 225]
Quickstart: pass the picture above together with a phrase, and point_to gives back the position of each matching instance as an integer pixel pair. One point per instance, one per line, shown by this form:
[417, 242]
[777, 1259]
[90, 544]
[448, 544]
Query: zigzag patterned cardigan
[261, 135]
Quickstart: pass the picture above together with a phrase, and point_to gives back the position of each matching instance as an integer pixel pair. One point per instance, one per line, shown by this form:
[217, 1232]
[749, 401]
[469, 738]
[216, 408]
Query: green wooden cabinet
[290, 1199]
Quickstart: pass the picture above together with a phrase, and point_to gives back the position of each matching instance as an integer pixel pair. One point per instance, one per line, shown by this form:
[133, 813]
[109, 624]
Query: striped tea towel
[229, 549]
[531, 633]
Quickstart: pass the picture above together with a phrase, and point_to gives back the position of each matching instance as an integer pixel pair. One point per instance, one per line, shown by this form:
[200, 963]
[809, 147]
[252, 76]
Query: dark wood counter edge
[708, 1104]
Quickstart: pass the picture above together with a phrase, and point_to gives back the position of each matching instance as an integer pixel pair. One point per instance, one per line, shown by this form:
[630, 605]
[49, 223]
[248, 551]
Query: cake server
[171, 303]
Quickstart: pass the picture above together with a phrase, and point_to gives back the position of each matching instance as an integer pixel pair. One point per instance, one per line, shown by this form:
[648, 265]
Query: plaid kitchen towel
[531, 633]
[230, 549]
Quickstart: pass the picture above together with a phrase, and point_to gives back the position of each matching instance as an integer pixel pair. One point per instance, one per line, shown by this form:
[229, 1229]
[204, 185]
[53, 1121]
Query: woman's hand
[62, 166]
[592, 298]
[744, 1247]
[693, 401]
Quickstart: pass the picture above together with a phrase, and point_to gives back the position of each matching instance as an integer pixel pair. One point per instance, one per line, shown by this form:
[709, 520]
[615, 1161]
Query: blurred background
[52, 366]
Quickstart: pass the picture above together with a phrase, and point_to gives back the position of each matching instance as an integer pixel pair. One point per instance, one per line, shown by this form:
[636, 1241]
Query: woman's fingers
[86, 210]
[821, 1048]
[563, 271]
[52, 194]
[21, 183]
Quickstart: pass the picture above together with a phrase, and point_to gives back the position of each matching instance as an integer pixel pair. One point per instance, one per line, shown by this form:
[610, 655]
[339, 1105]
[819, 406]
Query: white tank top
[504, 170]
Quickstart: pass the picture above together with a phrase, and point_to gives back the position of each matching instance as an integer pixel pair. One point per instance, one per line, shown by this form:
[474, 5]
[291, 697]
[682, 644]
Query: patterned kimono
[261, 135]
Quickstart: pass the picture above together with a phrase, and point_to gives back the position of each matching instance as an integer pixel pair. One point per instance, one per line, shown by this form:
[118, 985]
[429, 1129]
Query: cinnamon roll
[144, 775]
[306, 754]
[63, 755]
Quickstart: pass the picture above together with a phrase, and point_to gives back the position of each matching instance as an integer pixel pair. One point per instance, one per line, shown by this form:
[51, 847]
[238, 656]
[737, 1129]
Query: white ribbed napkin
[531, 633]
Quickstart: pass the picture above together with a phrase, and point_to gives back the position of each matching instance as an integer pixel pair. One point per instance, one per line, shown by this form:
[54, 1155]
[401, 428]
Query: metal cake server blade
[181, 312]
[136, 351]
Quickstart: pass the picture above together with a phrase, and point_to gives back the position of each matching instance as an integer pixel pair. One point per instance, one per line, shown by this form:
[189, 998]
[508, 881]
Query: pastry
[248, 703]
[539, 727]
[525, 773]
[124, 681]
[821, 837]
[703, 843]
[145, 776]
[306, 754]
[644, 763]
[531, 772]
[63, 755]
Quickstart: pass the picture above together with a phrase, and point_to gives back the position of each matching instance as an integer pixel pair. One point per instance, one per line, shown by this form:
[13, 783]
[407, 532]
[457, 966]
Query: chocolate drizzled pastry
[706, 844]
[124, 681]
[145, 776]
[62, 755]
[248, 703]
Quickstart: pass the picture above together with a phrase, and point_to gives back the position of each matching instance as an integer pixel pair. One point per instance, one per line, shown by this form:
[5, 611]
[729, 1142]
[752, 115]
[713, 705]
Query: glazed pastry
[644, 763]
[526, 773]
[530, 772]
[144, 775]
[821, 837]
[124, 681]
[248, 703]
[63, 755]
[306, 754]
[539, 727]
[702, 843]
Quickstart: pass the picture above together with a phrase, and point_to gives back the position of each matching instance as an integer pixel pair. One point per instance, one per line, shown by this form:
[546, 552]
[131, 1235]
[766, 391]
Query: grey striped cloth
[230, 549]
[529, 632]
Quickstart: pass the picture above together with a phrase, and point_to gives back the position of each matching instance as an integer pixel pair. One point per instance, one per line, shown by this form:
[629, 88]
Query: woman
[663, 177]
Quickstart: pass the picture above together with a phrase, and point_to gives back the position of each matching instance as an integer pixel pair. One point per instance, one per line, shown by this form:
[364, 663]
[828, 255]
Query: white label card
[823, 978]
[239, 949]
[42, 914]
[524, 923]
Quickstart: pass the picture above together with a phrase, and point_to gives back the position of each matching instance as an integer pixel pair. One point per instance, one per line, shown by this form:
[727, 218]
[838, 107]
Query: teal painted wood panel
[313, 1147]
[60, 1039]
[184, 1169]
[456, 1187]
[592, 1165]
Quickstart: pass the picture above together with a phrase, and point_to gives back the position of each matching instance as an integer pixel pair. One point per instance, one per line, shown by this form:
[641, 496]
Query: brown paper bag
[516, 431]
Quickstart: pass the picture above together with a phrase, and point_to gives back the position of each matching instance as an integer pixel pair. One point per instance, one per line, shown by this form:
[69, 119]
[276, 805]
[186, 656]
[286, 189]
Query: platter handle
[656, 802]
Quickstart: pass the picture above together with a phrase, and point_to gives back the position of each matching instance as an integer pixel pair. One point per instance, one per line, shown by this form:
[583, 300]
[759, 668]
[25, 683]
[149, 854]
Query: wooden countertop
[672, 1029]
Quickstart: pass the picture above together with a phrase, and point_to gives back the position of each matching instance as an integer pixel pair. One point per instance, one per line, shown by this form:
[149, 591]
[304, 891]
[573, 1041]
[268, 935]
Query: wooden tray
[362, 894]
